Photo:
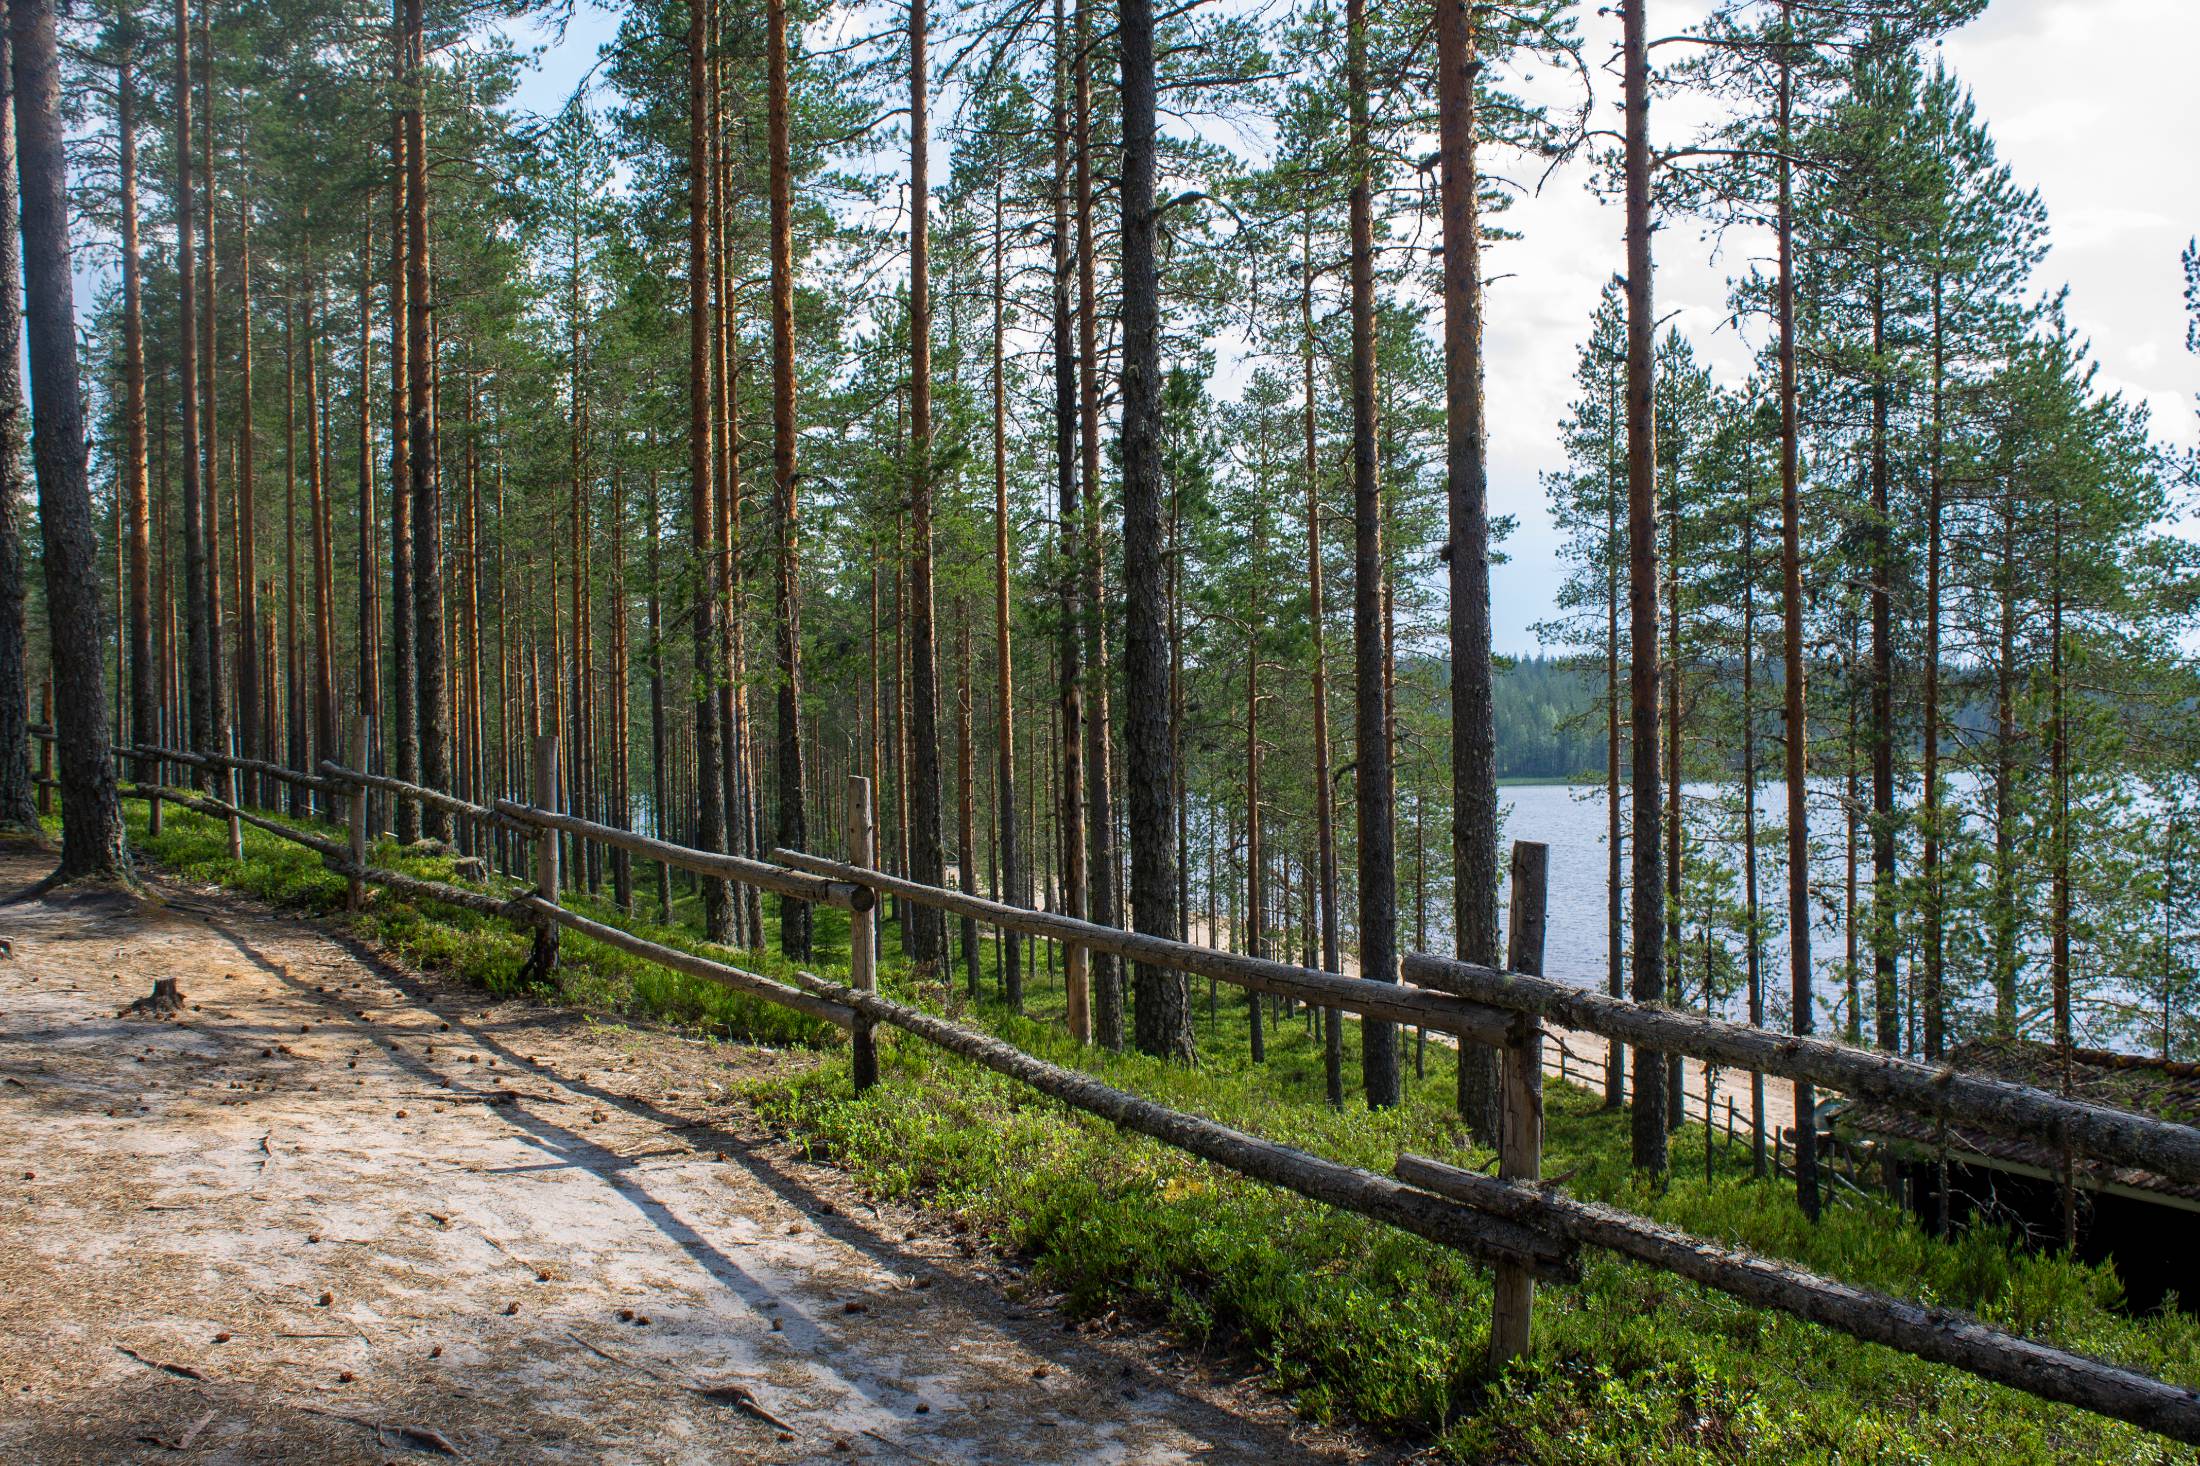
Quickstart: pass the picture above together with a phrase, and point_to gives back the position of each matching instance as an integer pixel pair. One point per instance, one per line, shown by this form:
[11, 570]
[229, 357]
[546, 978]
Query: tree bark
[370, 518]
[1377, 795]
[1648, 1118]
[144, 672]
[1107, 973]
[294, 697]
[92, 839]
[1473, 707]
[794, 917]
[1163, 1012]
[19, 804]
[1009, 886]
[966, 834]
[1929, 917]
[1879, 540]
[1325, 806]
[249, 650]
[1615, 888]
[198, 631]
[432, 710]
[1069, 653]
[925, 935]
[404, 665]
[324, 561]
[209, 384]
[1794, 707]
[1256, 923]
[710, 785]
[659, 751]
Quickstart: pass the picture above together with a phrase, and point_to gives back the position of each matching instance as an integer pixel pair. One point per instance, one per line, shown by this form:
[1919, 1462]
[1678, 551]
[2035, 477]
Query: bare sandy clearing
[341, 1212]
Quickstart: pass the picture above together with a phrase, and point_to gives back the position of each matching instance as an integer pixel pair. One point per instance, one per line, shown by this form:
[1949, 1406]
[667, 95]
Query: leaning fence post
[358, 896]
[862, 935]
[1520, 1137]
[231, 788]
[543, 961]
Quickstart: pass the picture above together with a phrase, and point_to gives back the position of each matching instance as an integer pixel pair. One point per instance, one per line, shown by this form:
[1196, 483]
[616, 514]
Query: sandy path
[336, 1195]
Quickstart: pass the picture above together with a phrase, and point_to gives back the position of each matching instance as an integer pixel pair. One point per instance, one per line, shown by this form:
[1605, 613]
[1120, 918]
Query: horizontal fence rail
[2094, 1131]
[1941, 1335]
[1526, 1230]
[1521, 1243]
[338, 775]
[778, 879]
[1439, 1011]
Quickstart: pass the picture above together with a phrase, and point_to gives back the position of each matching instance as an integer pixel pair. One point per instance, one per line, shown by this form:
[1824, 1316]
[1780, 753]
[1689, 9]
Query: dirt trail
[337, 1211]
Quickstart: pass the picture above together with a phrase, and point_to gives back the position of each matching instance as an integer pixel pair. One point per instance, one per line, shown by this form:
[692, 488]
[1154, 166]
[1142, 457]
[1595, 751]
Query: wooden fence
[1527, 1230]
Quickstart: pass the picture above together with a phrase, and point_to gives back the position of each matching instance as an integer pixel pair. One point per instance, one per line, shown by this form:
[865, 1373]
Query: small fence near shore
[1528, 1231]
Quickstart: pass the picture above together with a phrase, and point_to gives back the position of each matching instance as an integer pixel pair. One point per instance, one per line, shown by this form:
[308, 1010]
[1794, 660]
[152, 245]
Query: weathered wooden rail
[1527, 1231]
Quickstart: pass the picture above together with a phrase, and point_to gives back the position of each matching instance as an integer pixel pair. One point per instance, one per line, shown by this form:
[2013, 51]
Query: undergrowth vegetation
[1349, 1318]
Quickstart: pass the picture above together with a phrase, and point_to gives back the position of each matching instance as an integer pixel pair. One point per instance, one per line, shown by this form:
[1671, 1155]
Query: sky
[2089, 101]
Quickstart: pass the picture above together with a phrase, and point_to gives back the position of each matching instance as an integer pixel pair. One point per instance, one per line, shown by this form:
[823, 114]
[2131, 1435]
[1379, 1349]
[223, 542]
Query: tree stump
[165, 998]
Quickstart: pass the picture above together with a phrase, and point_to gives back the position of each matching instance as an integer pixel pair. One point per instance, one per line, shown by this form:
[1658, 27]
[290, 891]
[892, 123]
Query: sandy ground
[336, 1211]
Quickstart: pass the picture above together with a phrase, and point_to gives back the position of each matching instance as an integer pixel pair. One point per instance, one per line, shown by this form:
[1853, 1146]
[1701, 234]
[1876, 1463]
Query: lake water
[1570, 818]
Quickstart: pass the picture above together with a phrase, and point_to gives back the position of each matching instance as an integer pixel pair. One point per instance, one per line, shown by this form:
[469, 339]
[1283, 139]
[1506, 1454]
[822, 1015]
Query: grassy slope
[1350, 1317]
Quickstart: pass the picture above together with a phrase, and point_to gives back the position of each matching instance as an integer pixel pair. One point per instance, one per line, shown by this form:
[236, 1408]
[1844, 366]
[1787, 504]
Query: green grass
[1347, 1317]
[1351, 1318]
[482, 949]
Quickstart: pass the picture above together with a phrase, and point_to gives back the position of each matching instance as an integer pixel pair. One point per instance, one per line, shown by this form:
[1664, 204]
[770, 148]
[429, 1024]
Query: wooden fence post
[231, 789]
[358, 897]
[862, 935]
[543, 960]
[1520, 1138]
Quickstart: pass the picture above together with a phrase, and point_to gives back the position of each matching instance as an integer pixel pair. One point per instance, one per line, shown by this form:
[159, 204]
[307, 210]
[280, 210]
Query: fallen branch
[180, 1371]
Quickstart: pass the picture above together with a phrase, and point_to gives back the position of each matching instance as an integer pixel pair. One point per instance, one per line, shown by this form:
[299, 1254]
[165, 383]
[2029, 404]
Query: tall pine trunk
[404, 664]
[1164, 1010]
[18, 803]
[1648, 1120]
[1009, 886]
[324, 563]
[1615, 875]
[710, 786]
[924, 930]
[198, 629]
[1069, 653]
[217, 683]
[1879, 541]
[1377, 794]
[1107, 976]
[1473, 707]
[1929, 917]
[92, 839]
[659, 749]
[1794, 706]
[966, 832]
[370, 518]
[794, 916]
[249, 650]
[432, 706]
[1325, 797]
[144, 673]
